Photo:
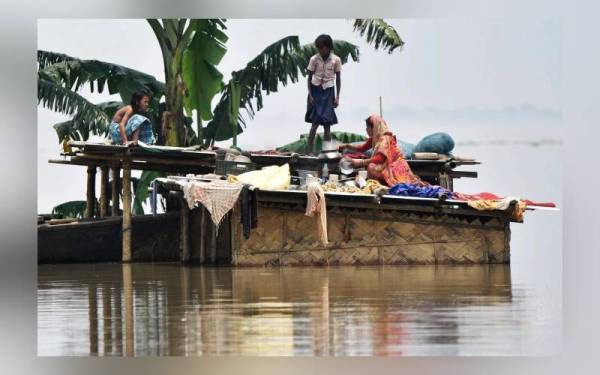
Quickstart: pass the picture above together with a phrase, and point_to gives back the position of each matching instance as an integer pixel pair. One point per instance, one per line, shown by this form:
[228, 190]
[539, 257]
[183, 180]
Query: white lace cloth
[218, 196]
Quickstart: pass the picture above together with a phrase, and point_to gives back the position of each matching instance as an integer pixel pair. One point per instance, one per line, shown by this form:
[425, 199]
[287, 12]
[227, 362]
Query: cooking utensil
[329, 152]
[346, 166]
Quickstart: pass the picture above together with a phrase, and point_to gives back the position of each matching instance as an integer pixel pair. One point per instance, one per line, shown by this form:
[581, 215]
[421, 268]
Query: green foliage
[141, 190]
[202, 79]
[280, 63]
[192, 49]
[61, 76]
[71, 209]
[380, 32]
[60, 99]
[46, 58]
[79, 129]
[73, 73]
[301, 145]
[344, 50]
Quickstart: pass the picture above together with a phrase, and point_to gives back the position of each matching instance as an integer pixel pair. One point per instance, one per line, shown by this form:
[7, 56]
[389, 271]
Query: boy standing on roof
[323, 68]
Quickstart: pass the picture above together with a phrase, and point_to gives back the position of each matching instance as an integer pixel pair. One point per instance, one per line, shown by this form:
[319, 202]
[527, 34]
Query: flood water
[165, 309]
[162, 309]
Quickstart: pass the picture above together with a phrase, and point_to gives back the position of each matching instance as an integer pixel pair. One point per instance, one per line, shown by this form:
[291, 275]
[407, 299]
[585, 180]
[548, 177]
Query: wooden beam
[116, 175]
[150, 159]
[90, 204]
[104, 191]
[139, 165]
[126, 211]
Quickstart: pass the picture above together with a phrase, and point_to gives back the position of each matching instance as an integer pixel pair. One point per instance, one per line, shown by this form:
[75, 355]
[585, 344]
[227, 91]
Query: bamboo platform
[189, 160]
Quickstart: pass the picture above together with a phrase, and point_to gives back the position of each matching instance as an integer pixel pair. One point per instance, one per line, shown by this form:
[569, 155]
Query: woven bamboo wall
[287, 237]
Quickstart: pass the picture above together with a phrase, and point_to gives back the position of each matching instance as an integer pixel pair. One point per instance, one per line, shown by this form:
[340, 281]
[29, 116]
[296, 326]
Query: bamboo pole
[126, 249]
[91, 192]
[103, 191]
[115, 189]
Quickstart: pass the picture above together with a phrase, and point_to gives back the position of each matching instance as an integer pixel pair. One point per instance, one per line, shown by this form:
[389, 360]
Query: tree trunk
[172, 121]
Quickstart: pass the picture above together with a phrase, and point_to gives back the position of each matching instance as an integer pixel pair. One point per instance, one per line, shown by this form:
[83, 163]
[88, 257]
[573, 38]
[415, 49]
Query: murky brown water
[163, 309]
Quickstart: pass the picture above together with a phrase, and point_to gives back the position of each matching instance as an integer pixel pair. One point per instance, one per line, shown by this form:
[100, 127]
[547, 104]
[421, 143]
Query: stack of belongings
[432, 146]
[269, 178]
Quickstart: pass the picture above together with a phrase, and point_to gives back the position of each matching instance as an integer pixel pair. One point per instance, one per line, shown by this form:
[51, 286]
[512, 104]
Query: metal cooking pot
[330, 155]
[329, 152]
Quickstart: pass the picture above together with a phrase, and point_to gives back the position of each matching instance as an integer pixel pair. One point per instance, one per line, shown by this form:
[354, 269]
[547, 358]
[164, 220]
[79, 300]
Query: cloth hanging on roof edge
[501, 204]
[315, 204]
[490, 196]
[218, 197]
[249, 209]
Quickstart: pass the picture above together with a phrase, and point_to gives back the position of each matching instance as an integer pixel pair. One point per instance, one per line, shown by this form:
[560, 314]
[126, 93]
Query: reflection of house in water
[154, 309]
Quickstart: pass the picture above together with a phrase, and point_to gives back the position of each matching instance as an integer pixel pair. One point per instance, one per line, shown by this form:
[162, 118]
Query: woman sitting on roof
[130, 123]
[387, 163]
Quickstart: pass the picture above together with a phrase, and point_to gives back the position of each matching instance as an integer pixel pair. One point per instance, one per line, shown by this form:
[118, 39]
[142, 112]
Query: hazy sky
[471, 78]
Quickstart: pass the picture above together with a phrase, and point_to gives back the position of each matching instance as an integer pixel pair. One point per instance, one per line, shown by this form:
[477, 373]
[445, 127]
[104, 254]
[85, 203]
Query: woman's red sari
[395, 168]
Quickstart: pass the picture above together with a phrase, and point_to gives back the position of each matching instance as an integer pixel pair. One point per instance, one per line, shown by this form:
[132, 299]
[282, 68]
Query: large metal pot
[329, 152]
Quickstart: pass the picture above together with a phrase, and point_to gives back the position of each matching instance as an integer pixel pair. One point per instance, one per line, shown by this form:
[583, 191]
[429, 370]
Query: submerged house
[362, 228]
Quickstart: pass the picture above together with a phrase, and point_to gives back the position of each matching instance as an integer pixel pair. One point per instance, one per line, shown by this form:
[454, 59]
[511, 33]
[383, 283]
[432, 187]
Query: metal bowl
[346, 166]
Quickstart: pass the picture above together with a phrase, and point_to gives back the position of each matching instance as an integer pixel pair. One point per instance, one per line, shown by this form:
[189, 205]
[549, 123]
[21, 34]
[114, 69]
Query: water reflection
[154, 309]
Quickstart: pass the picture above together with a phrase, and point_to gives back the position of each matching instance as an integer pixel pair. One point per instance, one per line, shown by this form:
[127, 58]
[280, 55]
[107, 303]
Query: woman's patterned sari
[395, 169]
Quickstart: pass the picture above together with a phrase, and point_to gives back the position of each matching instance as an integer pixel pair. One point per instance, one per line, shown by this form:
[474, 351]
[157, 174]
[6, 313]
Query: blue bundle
[416, 190]
[440, 143]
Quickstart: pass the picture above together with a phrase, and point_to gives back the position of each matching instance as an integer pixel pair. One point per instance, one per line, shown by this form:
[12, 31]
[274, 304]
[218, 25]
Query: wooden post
[126, 249]
[184, 240]
[116, 175]
[203, 234]
[213, 243]
[90, 203]
[103, 191]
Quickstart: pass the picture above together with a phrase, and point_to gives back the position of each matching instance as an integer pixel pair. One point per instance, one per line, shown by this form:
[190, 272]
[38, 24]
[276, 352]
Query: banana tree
[191, 51]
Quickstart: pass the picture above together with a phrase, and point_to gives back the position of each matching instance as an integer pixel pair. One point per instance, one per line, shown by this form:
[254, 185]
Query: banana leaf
[70, 209]
[301, 145]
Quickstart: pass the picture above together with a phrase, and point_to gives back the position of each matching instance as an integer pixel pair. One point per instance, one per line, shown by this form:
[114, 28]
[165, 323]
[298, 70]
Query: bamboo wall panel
[368, 237]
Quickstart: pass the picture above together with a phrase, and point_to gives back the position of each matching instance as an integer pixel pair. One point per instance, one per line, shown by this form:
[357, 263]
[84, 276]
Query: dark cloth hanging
[249, 203]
